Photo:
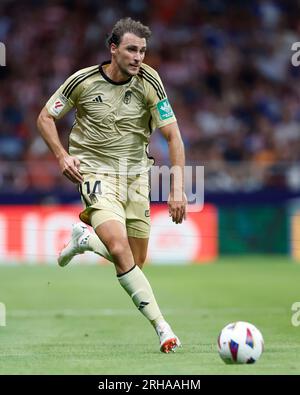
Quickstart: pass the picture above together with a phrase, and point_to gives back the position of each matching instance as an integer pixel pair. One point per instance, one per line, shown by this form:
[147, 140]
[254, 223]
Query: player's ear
[113, 48]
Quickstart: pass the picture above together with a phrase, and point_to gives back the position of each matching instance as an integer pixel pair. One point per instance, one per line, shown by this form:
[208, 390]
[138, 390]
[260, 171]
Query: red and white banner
[35, 234]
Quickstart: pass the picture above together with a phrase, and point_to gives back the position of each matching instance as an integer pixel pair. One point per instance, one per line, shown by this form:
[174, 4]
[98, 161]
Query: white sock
[138, 288]
[93, 243]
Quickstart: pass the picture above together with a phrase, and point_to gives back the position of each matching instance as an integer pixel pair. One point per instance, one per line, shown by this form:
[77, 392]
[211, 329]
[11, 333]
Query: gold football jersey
[114, 120]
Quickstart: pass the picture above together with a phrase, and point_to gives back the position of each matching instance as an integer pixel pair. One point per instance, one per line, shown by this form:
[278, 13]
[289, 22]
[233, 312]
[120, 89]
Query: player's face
[130, 54]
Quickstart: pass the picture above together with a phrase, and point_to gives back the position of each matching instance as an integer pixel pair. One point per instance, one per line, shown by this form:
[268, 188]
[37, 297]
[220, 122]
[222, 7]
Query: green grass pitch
[78, 320]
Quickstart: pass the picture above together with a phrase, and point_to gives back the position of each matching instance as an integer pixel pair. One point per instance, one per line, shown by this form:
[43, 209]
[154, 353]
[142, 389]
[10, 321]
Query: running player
[118, 105]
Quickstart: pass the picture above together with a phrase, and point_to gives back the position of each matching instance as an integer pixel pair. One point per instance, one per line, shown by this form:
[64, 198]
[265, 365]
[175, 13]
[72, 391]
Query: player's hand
[177, 208]
[69, 166]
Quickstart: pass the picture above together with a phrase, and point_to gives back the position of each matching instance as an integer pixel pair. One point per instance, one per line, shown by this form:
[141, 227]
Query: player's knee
[118, 248]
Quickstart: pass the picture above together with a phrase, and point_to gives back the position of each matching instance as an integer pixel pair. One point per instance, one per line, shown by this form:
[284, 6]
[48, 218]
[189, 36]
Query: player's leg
[138, 218]
[139, 247]
[138, 231]
[82, 240]
[168, 340]
[113, 234]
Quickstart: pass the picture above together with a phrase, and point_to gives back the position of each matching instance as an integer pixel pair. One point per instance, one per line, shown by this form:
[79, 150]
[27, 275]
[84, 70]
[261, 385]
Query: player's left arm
[177, 200]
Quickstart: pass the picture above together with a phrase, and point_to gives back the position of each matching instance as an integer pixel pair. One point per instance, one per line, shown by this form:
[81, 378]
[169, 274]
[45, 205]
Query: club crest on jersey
[93, 198]
[127, 97]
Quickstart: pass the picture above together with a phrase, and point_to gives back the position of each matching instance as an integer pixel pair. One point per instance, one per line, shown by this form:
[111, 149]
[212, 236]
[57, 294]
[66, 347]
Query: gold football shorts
[117, 197]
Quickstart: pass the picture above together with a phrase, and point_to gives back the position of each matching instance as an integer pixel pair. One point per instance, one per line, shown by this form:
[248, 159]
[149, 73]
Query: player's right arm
[69, 165]
[59, 104]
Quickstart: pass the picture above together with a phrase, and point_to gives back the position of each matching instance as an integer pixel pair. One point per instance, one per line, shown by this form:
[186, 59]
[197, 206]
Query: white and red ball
[240, 343]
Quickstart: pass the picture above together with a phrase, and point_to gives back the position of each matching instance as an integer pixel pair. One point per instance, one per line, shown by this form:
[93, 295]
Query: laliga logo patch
[127, 97]
[57, 106]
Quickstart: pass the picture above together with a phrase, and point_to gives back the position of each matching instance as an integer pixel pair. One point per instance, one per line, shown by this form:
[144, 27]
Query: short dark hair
[127, 25]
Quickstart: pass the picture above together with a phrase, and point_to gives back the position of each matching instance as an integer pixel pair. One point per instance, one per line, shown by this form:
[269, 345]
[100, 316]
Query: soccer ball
[240, 342]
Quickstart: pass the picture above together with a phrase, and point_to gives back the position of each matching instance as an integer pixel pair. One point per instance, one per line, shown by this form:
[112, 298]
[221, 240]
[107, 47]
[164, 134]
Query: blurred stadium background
[227, 69]
[228, 73]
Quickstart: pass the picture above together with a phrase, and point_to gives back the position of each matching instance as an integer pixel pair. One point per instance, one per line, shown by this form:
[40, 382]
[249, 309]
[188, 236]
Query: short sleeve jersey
[113, 121]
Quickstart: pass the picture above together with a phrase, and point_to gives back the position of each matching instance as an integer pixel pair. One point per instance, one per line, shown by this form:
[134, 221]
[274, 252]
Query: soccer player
[118, 105]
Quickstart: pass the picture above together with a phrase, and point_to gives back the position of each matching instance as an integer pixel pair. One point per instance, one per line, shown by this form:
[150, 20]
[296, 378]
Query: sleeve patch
[58, 105]
[164, 109]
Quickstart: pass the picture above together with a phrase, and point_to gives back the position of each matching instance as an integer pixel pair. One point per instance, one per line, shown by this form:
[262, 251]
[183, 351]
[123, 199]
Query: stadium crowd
[226, 66]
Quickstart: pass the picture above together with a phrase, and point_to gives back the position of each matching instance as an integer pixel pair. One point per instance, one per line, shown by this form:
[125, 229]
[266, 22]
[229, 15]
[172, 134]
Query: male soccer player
[118, 104]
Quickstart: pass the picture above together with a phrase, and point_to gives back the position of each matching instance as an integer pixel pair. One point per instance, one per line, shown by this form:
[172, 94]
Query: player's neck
[115, 74]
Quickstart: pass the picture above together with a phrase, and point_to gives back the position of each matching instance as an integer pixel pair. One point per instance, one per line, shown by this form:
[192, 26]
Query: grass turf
[78, 320]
